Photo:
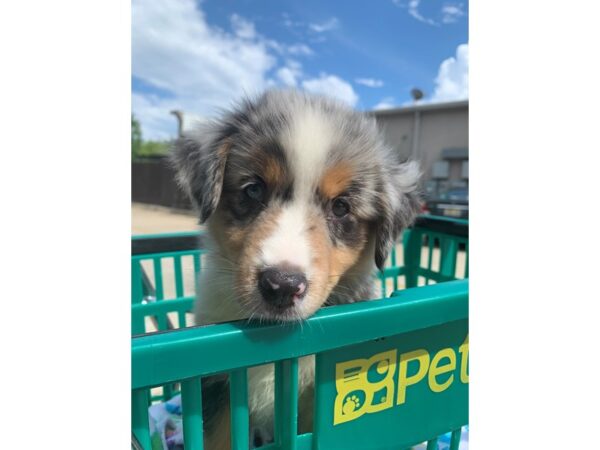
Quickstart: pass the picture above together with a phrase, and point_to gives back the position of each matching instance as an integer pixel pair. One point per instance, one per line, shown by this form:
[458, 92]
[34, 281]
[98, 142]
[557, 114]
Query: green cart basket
[390, 373]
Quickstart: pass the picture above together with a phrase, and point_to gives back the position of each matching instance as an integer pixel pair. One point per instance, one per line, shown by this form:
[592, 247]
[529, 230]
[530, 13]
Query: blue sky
[200, 56]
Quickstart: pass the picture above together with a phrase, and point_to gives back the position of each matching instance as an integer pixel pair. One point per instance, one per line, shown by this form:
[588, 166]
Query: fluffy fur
[298, 183]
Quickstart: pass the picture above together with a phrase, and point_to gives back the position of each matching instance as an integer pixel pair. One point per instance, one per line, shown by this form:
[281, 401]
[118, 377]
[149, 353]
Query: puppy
[301, 199]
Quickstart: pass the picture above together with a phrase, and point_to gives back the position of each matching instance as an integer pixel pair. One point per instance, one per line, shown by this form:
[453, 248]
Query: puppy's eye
[340, 207]
[255, 191]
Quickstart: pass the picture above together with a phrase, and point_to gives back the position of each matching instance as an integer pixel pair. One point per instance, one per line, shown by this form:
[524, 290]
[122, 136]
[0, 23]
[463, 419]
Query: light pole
[416, 94]
[179, 115]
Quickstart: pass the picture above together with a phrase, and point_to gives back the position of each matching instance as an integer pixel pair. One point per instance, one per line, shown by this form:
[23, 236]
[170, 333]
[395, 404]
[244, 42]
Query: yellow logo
[369, 385]
[364, 386]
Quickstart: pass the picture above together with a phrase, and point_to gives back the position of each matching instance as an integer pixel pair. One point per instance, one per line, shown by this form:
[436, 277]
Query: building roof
[421, 107]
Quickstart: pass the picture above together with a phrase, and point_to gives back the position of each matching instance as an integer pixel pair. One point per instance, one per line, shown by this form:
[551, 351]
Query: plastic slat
[149, 256]
[148, 309]
[240, 421]
[161, 319]
[161, 322]
[139, 417]
[286, 403]
[181, 318]
[467, 260]
[318, 423]
[455, 439]
[429, 257]
[449, 250]
[412, 256]
[436, 276]
[394, 265]
[158, 278]
[136, 282]
[137, 321]
[191, 404]
[432, 444]
[167, 392]
[178, 276]
[197, 268]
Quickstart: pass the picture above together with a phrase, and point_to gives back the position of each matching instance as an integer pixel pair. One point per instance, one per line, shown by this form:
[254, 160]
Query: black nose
[279, 286]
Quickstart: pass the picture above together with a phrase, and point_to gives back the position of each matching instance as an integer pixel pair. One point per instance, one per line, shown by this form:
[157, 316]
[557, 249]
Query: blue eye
[255, 191]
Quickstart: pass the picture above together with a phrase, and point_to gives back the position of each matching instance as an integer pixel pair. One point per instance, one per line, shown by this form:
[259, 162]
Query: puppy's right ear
[399, 204]
[199, 161]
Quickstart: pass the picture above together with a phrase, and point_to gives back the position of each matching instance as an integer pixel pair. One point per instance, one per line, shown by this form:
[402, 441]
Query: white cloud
[299, 49]
[452, 12]
[242, 27]
[328, 25]
[174, 49]
[289, 23]
[370, 82]
[287, 76]
[290, 74]
[386, 103]
[314, 32]
[413, 10]
[202, 67]
[332, 86]
[452, 82]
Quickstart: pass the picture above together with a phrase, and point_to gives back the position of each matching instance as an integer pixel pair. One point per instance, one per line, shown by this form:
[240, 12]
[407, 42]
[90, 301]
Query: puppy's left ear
[399, 205]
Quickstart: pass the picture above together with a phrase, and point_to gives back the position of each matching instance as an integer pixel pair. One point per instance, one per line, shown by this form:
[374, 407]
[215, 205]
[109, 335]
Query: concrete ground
[149, 219]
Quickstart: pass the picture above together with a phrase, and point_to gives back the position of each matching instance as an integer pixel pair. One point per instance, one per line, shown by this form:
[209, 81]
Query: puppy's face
[294, 188]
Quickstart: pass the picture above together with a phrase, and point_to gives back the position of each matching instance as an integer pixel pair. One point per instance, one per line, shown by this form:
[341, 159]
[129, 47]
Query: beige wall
[446, 127]
[398, 132]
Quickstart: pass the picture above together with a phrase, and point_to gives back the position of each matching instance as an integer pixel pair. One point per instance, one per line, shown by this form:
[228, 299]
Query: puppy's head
[295, 190]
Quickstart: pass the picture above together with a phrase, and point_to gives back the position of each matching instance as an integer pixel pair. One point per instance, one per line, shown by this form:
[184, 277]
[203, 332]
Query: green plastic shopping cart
[390, 373]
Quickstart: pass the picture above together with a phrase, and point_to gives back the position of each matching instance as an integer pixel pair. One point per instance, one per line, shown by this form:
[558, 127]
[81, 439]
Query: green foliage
[153, 148]
[145, 149]
[136, 137]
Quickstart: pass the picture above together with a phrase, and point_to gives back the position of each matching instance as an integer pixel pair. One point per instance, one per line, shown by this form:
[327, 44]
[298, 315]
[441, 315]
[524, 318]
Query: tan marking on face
[341, 259]
[336, 180]
[330, 262]
[319, 245]
[229, 238]
[273, 172]
[253, 238]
